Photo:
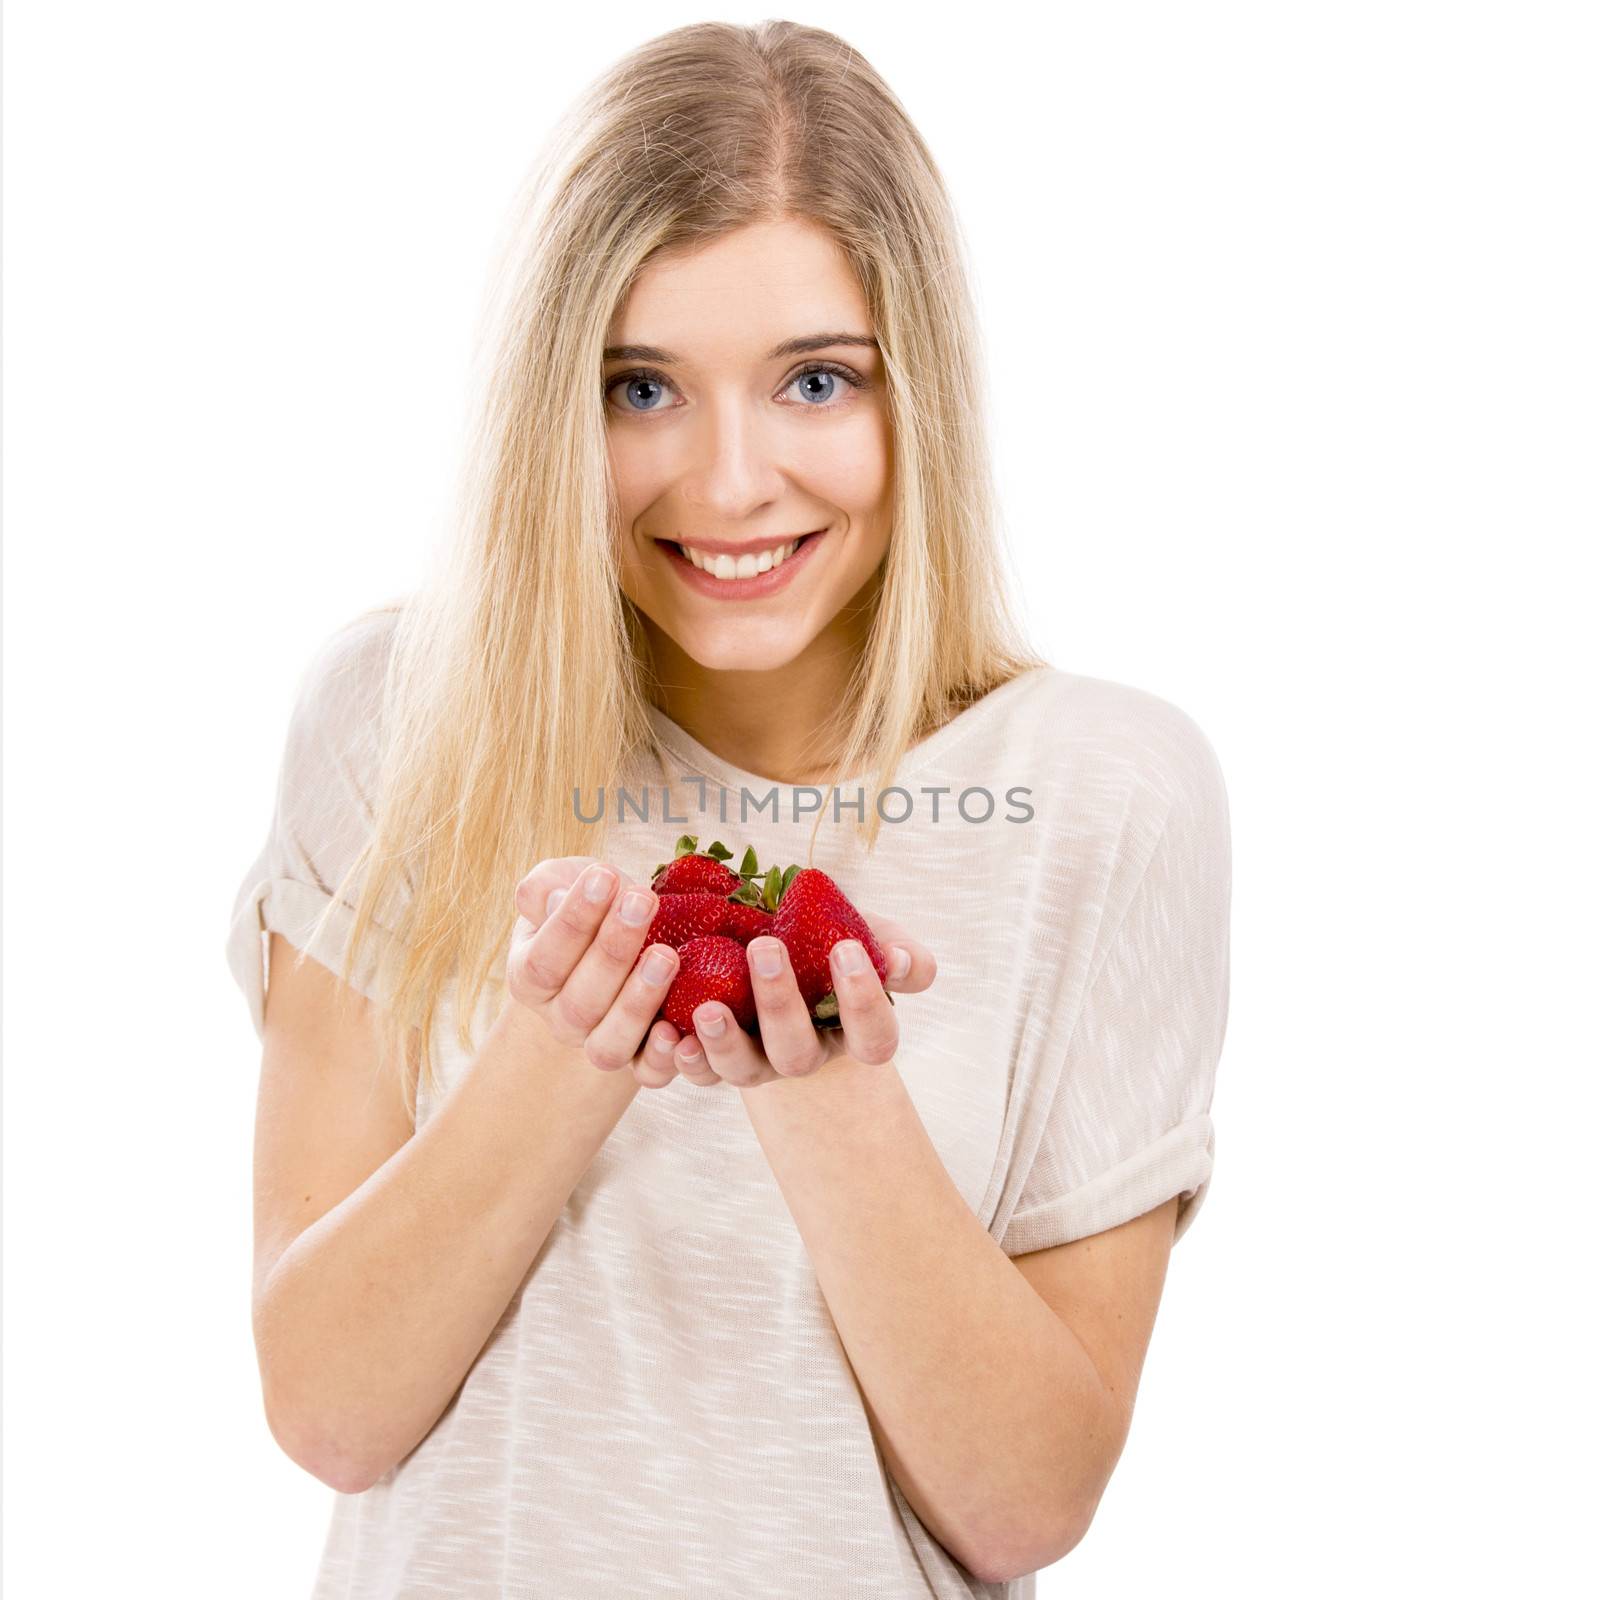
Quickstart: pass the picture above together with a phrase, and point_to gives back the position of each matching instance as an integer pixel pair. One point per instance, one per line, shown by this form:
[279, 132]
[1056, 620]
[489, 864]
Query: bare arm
[372, 1313]
[372, 1317]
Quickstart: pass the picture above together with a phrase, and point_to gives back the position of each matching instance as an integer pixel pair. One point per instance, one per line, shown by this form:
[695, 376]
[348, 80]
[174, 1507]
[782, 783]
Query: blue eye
[819, 372]
[652, 378]
[630, 379]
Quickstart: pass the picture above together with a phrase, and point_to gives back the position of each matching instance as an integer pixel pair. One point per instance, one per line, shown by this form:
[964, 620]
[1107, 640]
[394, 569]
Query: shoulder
[335, 723]
[1134, 728]
[344, 677]
[355, 648]
[1112, 758]
[1100, 725]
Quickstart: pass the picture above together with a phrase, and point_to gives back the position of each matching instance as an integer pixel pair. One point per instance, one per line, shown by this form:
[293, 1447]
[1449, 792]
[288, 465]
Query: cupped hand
[575, 961]
[789, 1044]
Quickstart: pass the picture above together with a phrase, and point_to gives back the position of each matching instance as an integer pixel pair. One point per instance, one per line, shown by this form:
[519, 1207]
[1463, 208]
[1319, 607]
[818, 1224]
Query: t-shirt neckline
[701, 760]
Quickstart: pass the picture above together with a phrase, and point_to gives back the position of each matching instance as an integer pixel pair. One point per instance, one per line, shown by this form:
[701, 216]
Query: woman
[726, 568]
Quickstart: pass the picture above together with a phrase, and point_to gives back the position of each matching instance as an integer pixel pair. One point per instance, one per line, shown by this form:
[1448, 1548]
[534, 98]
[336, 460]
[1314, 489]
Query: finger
[554, 876]
[654, 1067]
[911, 963]
[554, 954]
[614, 1041]
[788, 1035]
[597, 980]
[871, 1032]
[732, 1053]
[912, 967]
[692, 1065]
[560, 940]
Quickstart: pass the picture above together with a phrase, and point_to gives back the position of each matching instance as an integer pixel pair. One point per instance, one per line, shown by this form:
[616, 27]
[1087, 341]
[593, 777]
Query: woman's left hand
[790, 1045]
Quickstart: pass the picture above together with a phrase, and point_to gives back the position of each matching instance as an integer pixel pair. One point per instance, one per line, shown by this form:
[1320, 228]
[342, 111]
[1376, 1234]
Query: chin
[729, 652]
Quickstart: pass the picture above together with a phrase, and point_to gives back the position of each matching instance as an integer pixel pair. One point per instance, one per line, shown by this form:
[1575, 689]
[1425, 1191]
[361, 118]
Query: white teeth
[744, 566]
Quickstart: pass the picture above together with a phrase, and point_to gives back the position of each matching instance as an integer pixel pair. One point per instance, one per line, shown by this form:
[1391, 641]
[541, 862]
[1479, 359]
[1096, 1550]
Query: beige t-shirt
[665, 1407]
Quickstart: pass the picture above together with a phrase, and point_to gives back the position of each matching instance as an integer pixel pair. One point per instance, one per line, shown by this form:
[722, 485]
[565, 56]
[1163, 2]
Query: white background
[1291, 313]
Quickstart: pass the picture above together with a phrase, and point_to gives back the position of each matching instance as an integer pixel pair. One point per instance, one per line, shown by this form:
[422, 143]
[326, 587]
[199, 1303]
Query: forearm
[990, 1414]
[372, 1317]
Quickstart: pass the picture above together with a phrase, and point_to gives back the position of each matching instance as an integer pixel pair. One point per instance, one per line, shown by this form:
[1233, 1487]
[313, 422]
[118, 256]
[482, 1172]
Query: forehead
[736, 298]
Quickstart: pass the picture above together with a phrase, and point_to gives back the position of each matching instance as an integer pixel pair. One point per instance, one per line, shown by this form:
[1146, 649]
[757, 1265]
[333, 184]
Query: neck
[765, 721]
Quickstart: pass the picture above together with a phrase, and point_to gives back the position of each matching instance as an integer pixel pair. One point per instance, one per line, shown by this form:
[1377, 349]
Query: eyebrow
[790, 347]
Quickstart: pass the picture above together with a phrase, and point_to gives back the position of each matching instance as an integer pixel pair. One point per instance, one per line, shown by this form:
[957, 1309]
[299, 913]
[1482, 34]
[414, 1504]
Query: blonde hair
[519, 670]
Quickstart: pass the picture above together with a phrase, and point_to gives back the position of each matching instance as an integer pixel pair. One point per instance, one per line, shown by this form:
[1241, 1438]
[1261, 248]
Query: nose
[733, 465]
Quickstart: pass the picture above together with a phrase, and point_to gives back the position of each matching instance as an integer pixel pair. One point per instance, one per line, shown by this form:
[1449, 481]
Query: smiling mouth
[730, 568]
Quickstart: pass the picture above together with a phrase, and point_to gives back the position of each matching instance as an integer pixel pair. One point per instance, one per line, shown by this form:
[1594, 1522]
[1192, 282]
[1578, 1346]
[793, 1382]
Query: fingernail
[711, 1025]
[635, 909]
[658, 966]
[553, 901]
[766, 956]
[662, 1047]
[691, 1050]
[848, 956]
[597, 883]
[899, 961]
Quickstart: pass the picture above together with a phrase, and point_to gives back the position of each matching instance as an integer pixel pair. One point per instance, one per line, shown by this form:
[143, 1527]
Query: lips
[749, 549]
[762, 584]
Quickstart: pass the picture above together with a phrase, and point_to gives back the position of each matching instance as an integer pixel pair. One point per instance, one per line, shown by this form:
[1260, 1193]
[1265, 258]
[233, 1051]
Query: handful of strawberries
[709, 912]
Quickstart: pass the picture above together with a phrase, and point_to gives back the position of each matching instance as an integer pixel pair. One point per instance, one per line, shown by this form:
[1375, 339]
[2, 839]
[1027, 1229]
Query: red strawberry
[681, 917]
[813, 916]
[693, 871]
[752, 905]
[710, 968]
[744, 922]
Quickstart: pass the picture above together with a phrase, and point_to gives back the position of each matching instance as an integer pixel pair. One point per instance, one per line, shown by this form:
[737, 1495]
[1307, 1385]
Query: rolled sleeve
[322, 817]
[1129, 1124]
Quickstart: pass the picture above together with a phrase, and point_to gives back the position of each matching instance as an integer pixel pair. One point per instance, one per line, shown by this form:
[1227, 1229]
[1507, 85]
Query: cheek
[631, 473]
[851, 468]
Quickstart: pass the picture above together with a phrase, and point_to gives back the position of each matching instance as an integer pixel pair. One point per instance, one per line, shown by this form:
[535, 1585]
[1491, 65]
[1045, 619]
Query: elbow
[1018, 1565]
[331, 1462]
[344, 1480]
[1052, 1532]
[304, 1427]
[1028, 1552]
[339, 1469]
[345, 1476]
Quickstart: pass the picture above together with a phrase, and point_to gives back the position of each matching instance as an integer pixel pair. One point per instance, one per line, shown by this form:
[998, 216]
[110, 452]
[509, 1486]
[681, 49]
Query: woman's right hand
[574, 962]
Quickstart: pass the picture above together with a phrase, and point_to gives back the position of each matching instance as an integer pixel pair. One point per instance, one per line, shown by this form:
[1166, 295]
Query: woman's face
[732, 446]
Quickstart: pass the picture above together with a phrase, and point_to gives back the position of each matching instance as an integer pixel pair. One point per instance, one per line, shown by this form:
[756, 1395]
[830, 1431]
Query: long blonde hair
[519, 670]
